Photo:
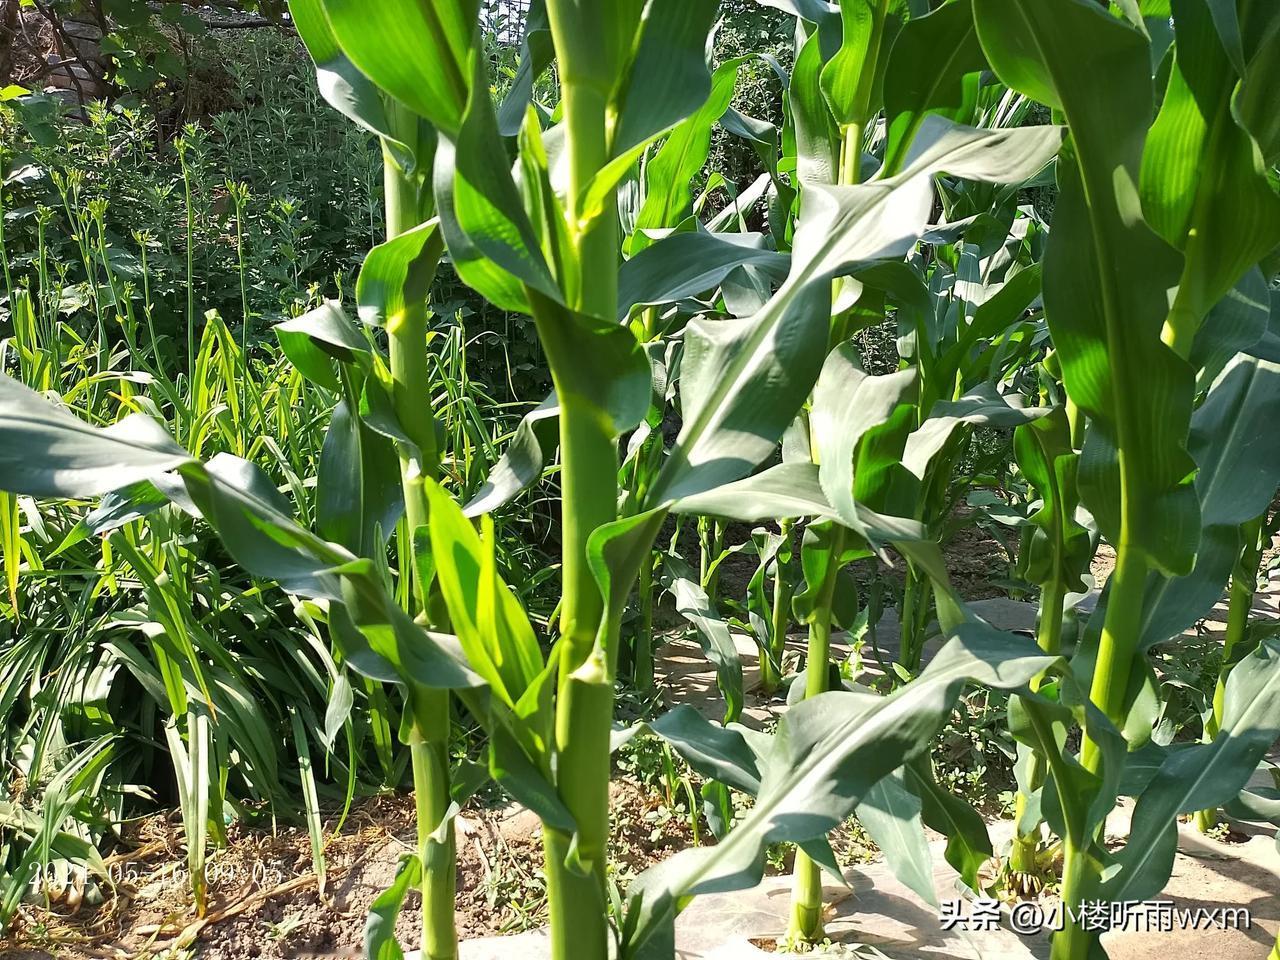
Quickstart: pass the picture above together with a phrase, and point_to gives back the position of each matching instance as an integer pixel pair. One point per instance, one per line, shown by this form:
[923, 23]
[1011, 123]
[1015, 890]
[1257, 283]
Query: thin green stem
[1024, 856]
[771, 663]
[191, 293]
[1244, 581]
[642, 648]
[806, 890]
[430, 755]
[411, 399]
[4, 252]
[1117, 649]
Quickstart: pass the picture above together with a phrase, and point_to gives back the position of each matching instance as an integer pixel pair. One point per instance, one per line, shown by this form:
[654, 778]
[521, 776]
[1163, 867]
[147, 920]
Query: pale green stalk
[576, 895]
[191, 294]
[805, 926]
[429, 737]
[1081, 871]
[642, 647]
[771, 663]
[806, 890]
[1024, 856]
[4, 252]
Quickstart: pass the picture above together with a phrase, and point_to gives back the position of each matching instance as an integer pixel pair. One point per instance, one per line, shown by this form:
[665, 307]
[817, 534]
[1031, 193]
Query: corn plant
[549, 722]
[562, 215]
[833, 95]
[1139, 215]
[1237, 641]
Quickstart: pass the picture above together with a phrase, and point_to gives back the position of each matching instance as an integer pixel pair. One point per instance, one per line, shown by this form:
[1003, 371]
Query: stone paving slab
[878, 911]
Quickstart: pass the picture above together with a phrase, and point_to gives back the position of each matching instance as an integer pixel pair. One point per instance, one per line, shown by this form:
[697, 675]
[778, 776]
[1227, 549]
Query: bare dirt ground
[265, 903]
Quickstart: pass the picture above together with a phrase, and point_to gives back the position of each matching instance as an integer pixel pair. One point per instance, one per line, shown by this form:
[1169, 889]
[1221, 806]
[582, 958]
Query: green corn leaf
[667, 80]
[617, 379]
[1203, 776]
[1060, 548]
[694, 605]
[686, 264]
[1260, 805]
[521, 464]
[968, 842]
[527, 782]
[891, 814]
[319, 336]
[817, 137]
[671, 172]
[341, 83]
[384, 637]
[847, 403]
[1226, 21]
[934, 67]
[789, 490]
[1074, 801]
[337, 713]
[492, 627]
[783, 491]
[536, 53]
[828, 752]
[615, 553]
[764, 138]
[820, 563]
[716, 752]
[115, 510]
[1232, 441]
[815, 11]
[380, 928]
[1204, 185]
[897, 280]
[46, 451]
[1255, 101]
[419, 53]
[651, 91]
[538, 153]
[1005, 307]
[397, 275]
[254, 522]
[492, 243]
[879, 478]
[357, 483]
[1237, 323]
[743, 380]
[1106, 325]
[1142, 764]
[465, 781]
[982, 406]
[853, 78]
